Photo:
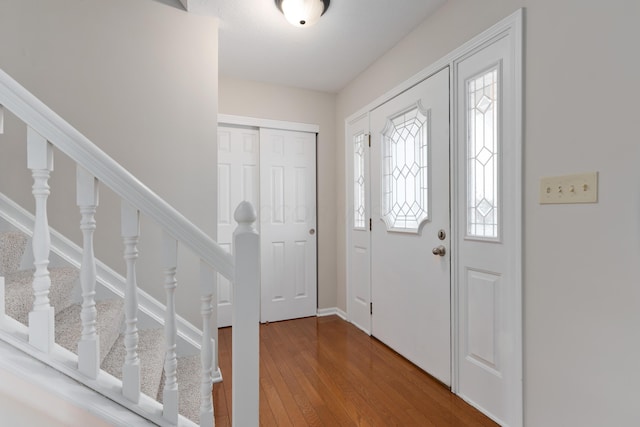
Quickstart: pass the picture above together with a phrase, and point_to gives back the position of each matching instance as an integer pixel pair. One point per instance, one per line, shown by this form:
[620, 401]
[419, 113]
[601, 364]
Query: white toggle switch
[579, 188]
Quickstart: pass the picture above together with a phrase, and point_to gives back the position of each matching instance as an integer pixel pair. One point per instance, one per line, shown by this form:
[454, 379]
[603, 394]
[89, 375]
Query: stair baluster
[245, 334]
[89, 345]
[41, 317]
[170, 392]
[131, 368]
[207, 282]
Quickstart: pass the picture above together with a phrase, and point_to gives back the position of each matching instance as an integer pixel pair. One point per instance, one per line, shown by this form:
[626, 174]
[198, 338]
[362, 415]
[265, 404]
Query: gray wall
[254, 99]
[582, 263]
[139, 79]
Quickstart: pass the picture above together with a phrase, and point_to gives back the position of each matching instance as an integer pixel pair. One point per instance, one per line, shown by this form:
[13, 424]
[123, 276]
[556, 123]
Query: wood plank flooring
[326, 372]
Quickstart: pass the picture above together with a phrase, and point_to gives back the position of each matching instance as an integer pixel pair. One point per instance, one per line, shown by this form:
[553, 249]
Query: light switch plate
[578, 188]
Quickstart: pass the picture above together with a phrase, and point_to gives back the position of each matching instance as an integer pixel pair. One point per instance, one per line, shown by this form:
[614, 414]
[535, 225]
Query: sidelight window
[359, 141]
[482, 155]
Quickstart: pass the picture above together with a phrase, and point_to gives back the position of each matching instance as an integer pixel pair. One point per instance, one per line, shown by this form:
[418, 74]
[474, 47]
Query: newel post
[246, 317]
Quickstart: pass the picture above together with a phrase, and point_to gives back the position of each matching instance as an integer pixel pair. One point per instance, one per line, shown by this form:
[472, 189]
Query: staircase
[110, 317]
[65, 312]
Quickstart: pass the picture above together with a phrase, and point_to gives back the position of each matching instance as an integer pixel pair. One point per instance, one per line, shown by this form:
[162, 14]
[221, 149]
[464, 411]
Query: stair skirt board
[110, 318]
[14, 334]
[33, 385]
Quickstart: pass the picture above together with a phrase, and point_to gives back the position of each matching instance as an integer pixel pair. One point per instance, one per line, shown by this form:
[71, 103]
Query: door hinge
[370, 308]
[369, 136]
[370, 224]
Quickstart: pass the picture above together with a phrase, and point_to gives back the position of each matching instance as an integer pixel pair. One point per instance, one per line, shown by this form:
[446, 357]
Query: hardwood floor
[325, 372]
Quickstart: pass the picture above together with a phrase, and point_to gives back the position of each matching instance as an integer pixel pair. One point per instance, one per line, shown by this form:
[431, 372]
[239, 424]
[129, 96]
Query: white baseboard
[322, 312]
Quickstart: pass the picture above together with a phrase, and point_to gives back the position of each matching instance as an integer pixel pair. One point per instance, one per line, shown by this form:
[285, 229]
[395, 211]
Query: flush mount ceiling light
[303, 13]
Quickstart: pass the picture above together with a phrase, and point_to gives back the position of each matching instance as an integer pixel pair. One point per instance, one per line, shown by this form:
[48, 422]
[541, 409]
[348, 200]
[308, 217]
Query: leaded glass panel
[359, 141]
[405, 190]
[482, 155]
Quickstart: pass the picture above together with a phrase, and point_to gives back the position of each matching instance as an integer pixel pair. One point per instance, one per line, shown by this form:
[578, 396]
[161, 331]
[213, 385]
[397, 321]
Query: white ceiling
[257, 43]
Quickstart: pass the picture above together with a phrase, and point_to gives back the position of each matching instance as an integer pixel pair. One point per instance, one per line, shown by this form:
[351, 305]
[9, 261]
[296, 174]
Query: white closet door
[288, 224]
[238, 180]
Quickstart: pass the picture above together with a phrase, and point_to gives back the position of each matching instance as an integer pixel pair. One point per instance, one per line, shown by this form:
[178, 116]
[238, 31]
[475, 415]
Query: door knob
[440, 250]
[312, 231]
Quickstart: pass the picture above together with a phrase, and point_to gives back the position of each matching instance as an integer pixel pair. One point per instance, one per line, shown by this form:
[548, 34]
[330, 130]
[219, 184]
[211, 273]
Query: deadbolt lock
[442, 235]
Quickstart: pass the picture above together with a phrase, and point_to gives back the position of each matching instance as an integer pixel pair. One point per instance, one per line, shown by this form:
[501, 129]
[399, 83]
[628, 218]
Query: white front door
[410, 285]
[238, 180]
[288, 224]
[486, 209]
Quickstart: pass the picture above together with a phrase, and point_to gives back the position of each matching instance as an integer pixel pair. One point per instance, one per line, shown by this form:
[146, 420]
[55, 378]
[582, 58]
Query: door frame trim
[349, 216]
[512, 27]
[233, 120]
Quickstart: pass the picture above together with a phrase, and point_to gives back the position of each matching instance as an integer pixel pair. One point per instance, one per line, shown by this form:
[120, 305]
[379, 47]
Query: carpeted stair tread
[109, 319]
[189, 383]
[19, 291]
[151, 353]
[12, 246]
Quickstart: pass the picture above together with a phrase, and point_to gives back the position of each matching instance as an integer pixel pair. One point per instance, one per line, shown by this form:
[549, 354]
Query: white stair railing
[41, 321]
[130, 227]
[89, 345]
[207, 360]
[170, 392]
[45, 130]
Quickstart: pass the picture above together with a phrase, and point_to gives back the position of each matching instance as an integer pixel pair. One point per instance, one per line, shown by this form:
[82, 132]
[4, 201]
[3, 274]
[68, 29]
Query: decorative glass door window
[482, 155]
[405, 189]
[359, 142]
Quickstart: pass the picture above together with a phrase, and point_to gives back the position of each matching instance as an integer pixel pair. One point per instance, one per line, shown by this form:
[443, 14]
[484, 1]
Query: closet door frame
[227, 120]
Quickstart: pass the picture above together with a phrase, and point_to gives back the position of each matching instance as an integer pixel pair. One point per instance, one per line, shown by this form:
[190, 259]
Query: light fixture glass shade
[302, 13]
